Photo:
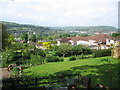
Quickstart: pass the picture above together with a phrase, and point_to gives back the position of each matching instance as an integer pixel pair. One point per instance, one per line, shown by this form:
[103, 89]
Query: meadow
[103, 70]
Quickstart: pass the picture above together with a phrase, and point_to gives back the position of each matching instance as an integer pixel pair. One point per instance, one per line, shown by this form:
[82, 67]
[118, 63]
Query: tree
[24, 36]
[115, 34]
[39, 52]
[11, 41]
[47, 45]
[32, 38]
[36, 59]
[64, 50]
[7, 56]
[3, 36]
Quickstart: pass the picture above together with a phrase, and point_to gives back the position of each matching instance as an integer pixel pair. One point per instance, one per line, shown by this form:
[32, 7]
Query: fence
[71, 79]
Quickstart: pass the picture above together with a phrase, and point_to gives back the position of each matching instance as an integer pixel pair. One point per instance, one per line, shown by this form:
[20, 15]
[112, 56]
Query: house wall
[104, 47]
[109, 41]
[58, 43]
[82, 42]
[90, 42]
[72, 43]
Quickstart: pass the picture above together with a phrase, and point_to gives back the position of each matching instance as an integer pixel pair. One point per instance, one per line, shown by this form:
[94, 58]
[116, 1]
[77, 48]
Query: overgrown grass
[98, 69]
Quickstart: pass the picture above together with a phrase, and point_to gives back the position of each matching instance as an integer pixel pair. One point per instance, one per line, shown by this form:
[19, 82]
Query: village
[27, 57]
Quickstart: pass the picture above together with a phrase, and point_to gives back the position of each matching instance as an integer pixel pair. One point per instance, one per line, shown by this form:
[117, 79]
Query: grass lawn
[99, 71]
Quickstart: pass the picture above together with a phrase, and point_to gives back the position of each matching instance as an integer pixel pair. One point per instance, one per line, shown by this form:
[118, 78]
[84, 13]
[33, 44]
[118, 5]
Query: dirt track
[4, 73]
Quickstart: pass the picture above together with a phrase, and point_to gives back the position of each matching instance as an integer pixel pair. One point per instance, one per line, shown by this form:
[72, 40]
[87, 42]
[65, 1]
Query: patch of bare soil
[4, 73]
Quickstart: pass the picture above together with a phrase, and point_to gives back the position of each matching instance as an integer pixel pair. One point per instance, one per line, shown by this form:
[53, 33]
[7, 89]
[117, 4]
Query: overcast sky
[60, 12]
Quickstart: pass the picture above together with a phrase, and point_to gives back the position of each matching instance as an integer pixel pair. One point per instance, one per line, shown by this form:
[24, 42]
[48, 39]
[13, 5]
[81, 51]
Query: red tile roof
[64, 40]
[39, 44]
[97, 38]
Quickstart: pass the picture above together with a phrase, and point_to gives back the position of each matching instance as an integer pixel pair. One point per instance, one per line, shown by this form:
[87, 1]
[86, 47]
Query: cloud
[60, 12]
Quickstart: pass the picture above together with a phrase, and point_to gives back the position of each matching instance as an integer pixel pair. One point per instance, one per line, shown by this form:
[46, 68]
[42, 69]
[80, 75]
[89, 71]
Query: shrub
[72, 58]
[82, 56]
[36, 59]
[101, 53]
[61, 59]
[51, 58]
[15, 72]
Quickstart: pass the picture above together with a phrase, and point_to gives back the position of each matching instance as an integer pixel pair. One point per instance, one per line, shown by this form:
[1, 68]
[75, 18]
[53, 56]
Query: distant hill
[23, 28]
[102, 29]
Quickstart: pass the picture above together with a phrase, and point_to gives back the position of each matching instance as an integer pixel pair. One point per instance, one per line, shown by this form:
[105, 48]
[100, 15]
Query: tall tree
[32, 38]
[3, 36]
[24, 36]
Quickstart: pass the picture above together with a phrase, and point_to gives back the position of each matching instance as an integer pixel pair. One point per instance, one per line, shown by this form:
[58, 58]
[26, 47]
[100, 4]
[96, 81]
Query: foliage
[55, 48]
[115, 34]
[39, 42]
[7, 56]
[61, 59]
[68, 50]
[36, 59]
[39, 52]
[7, 39]
[15, 72]
[101, 53]
[47, 45]
[4, 34]
[81, 56]
[24, 36]
[64, 50]
[50, 58]
[32, 37]
[84, 35]
[72, 58]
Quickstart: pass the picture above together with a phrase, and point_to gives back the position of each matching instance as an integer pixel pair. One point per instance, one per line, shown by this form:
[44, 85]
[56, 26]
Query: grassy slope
[100, 72]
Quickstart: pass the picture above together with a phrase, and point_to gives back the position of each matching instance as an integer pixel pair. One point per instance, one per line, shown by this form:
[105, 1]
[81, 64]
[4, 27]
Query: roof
[64, 39]
[98, 38]
[39, 44]
[33, 43]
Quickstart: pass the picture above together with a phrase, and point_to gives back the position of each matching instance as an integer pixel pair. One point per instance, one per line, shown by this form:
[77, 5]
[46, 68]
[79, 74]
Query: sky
[60, 12]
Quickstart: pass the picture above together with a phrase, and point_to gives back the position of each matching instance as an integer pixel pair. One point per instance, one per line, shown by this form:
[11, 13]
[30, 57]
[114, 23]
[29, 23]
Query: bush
[51, 58]
[36, 59]
[72, 58]
[101, 53]
[61, 59]
[82, 56]
[15, 72]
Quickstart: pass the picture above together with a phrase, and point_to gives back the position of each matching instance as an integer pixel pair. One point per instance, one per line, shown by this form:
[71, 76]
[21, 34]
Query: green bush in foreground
[101, 53]
[36, 59]
[15, 72]
[72, 58]
[51, 58]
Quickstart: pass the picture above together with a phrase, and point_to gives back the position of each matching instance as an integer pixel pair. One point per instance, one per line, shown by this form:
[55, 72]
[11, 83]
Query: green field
[99, 70]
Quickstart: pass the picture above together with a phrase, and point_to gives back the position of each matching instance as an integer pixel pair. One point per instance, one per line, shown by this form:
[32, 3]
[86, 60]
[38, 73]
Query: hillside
[91, 29]
[22, 28]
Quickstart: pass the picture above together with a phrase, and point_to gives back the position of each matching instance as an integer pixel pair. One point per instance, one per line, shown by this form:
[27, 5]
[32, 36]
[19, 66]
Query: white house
[99, 41]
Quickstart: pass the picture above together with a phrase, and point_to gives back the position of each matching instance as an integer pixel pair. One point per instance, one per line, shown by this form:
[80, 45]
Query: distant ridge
[21, 28]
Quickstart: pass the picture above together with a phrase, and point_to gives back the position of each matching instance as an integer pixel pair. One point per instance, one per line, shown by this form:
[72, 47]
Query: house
[21, 41]
[95, 41]
[40, 46]
[112, 41]
[63, 40]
